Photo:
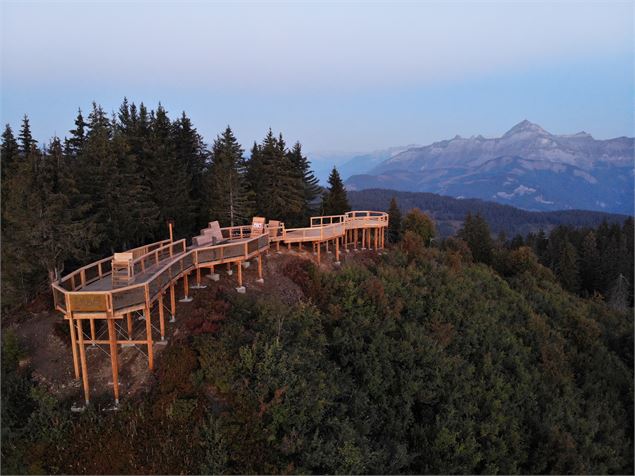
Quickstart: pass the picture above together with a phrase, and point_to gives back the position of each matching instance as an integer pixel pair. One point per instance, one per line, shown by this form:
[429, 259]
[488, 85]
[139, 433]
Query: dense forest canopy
[417, 361]
[477, 353]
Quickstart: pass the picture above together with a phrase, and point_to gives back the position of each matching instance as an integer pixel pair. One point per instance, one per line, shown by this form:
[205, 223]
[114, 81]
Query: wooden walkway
[88, 296]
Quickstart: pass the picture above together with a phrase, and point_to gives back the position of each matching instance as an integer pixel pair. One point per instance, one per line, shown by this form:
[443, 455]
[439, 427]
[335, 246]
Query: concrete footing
[172, 320]
[198, 286]
[246, 264]
[230, 272]
[260, 280]
[186, 299]
[241, 289]
[214, 276]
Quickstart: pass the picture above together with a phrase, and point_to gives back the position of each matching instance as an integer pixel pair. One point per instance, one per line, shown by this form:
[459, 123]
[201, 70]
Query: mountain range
[527, 167]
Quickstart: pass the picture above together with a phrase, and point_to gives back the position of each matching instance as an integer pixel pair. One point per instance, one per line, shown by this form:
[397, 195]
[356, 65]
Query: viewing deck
[94, 292]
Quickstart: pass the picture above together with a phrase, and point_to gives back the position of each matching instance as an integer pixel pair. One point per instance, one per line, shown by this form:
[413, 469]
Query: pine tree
[589, 263]
[394, 221]
[27, 143]
[334, 200]
[169, 179]
[74, 145]
[189, 148]
[567, 267]
[310, 183]
[476, 233]
[279, 192]
[228, 199]
[10, 152]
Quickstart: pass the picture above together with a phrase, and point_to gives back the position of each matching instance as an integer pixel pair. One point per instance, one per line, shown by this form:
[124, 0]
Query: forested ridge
[449, 212]
[470, 354]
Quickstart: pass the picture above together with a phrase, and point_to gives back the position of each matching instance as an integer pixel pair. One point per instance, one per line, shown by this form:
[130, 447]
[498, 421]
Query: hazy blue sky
[337, 77]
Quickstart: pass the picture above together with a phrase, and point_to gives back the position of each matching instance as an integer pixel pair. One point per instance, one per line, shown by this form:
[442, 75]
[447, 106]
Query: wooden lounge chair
[257, 226]
[122, 269]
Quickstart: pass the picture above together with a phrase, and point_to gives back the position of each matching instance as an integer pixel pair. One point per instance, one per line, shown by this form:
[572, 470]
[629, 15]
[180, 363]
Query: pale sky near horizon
[336, 76]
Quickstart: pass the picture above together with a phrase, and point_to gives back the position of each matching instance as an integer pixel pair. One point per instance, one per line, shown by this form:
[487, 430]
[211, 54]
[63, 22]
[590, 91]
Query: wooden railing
[316, 233]
[92, 272]
[158, 255]
[326, 220]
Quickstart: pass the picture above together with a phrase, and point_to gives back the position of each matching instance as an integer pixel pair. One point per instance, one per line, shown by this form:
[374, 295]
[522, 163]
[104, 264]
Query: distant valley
[527, 167]
[449, 213]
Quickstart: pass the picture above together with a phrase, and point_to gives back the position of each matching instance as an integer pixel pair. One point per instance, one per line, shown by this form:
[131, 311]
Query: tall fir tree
[228, 198]
[189, 148]
[280, 193]
[476, 233]
[169, 179]
[394, 221]
[74, 145]
[589, 263]
[310, 185]
[567, 268]
[335, 200]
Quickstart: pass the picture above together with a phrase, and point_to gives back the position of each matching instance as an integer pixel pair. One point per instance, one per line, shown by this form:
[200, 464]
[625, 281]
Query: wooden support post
[240, 273]
[129, 319]
[148, 316]
[337, 249]
[259, 266]
[318, 251]
[363, 238]
[92, 331]
[289, 246]
[198, 277]
[327, 246]
[113, 358]
[278, 245]
[186, 286]
[355, 238]
[376, 238]
[172, 301]
[71, 324]
[161, 316]
[82, 356]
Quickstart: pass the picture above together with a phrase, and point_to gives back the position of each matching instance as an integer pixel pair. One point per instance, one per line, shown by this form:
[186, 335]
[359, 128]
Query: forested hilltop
[474, 353]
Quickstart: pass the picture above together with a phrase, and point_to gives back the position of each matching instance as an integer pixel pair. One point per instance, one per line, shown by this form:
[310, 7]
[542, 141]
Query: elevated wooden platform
[91, 294]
